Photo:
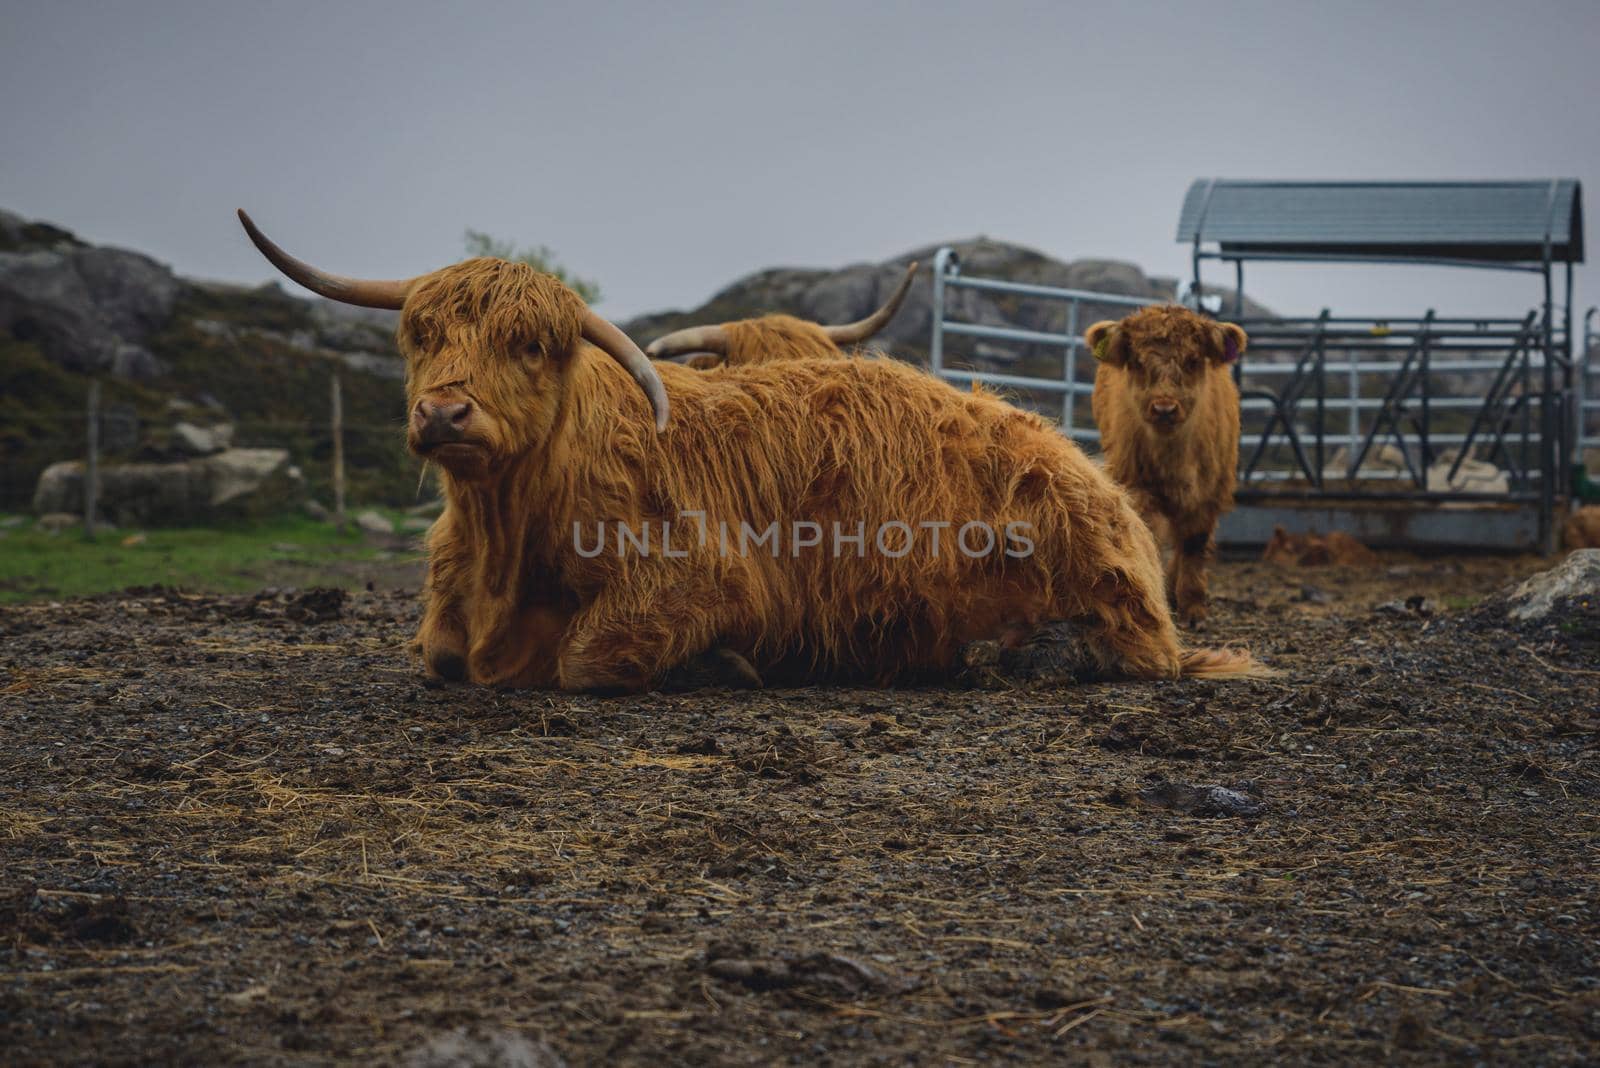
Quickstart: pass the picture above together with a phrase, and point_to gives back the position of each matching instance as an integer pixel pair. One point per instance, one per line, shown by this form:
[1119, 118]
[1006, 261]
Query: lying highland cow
[769, 338]
[586, 545]
[1168, 413]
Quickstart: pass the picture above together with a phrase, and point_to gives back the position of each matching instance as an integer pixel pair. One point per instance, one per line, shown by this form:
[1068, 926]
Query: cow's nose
[1164, 410]
[436, 422]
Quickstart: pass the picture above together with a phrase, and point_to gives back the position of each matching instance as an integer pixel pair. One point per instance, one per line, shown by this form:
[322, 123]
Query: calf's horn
[368, 294]
[862, 329]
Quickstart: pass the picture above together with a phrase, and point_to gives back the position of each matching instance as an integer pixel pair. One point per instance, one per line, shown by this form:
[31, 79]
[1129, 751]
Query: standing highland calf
[770, 338]
[1168, 413]
[539, 413]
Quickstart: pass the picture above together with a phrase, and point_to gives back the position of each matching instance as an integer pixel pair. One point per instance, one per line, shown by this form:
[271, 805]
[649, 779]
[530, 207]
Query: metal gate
[1338, 413]
[1079, 305]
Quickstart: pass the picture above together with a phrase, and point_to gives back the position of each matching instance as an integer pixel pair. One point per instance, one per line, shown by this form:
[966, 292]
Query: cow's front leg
[1196, 544]
[515, 644]
[628, 639]
[442, 640]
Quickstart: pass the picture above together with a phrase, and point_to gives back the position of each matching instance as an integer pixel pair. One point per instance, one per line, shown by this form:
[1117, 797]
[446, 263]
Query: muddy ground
[239, 829]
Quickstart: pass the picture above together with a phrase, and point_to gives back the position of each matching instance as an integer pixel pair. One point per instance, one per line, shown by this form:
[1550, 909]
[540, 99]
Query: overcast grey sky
[667, 148]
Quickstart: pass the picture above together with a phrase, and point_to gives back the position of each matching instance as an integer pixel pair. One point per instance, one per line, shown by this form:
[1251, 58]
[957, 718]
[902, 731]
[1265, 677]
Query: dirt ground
[244, 829]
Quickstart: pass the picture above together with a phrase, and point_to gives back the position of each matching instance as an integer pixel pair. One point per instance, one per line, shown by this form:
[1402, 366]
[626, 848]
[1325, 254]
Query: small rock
[318, 511]
[427, 509]
[56, 522]
[1415, 605]
[415, 524]
[373, 522]
[826, 973]
[201, 441]
[474, 1048]
[1201, 800]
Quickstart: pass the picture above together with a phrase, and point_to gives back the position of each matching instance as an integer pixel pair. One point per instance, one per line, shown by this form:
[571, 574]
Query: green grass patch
[35, 565]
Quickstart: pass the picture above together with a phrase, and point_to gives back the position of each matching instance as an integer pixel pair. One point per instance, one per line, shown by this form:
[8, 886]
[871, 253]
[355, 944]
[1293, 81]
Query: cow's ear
[1230, 342]
[1108, 343]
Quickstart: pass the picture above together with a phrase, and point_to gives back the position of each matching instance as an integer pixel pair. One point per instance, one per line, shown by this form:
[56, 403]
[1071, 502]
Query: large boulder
[232, 484]
[193, 440]
[1576, 576]
[88, 309]
[853, 292]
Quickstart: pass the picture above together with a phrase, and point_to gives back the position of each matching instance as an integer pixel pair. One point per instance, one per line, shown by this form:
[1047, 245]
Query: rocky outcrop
[231, 484]
[88, 309]
[853, 292]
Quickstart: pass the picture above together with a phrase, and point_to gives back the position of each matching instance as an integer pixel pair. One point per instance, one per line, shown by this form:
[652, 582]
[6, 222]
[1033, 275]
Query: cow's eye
[533, 350]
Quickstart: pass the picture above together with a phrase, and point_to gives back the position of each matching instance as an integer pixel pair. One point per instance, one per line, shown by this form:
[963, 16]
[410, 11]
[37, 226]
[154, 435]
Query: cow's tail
[1208, 663]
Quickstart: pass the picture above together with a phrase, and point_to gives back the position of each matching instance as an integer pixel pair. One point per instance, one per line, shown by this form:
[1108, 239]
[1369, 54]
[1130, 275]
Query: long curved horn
[368, 294]
[620, 347]
[860, 330]
[689, 339]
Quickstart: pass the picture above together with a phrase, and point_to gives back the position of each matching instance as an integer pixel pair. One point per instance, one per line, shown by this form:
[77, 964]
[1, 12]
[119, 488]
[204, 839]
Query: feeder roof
[1482, 222]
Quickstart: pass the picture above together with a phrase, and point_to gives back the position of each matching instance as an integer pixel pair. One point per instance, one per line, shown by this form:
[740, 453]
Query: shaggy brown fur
[1168, 413]
[774, 338]
[1317, 550]
[561, 441]
[768, 339]
[1582, 528]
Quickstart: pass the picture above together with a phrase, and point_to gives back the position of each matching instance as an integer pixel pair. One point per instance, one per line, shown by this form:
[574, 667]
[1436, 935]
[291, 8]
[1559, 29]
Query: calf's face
[1166, 353]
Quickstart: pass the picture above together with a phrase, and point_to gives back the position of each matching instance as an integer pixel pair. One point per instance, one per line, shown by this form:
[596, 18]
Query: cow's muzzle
[435, 423]
[1164, 414]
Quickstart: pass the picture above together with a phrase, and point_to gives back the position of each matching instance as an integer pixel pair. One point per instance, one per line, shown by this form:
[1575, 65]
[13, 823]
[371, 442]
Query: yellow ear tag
[1102, 347]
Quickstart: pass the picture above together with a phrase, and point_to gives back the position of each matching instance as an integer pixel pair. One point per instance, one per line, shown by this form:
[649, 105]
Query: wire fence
[378, 468]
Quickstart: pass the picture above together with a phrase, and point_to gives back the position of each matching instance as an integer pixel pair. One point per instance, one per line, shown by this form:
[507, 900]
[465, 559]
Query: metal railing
[947, 277]
[1586, 388]
[1435, 389]
[1341, 407]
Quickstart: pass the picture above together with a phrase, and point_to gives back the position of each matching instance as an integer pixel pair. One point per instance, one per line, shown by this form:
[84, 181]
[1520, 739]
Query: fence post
[338, 456]
[91, 468]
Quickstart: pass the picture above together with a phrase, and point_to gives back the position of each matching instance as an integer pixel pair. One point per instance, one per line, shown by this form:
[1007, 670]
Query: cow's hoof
[1193, 617]
[714, 669]
[447, 665]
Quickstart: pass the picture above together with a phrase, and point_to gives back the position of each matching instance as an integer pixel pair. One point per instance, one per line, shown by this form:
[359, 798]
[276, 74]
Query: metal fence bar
[1586, 391]
[1029, 289]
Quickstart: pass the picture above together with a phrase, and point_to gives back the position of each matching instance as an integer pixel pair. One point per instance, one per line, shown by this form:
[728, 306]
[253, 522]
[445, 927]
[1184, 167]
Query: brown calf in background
[1168, 413]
